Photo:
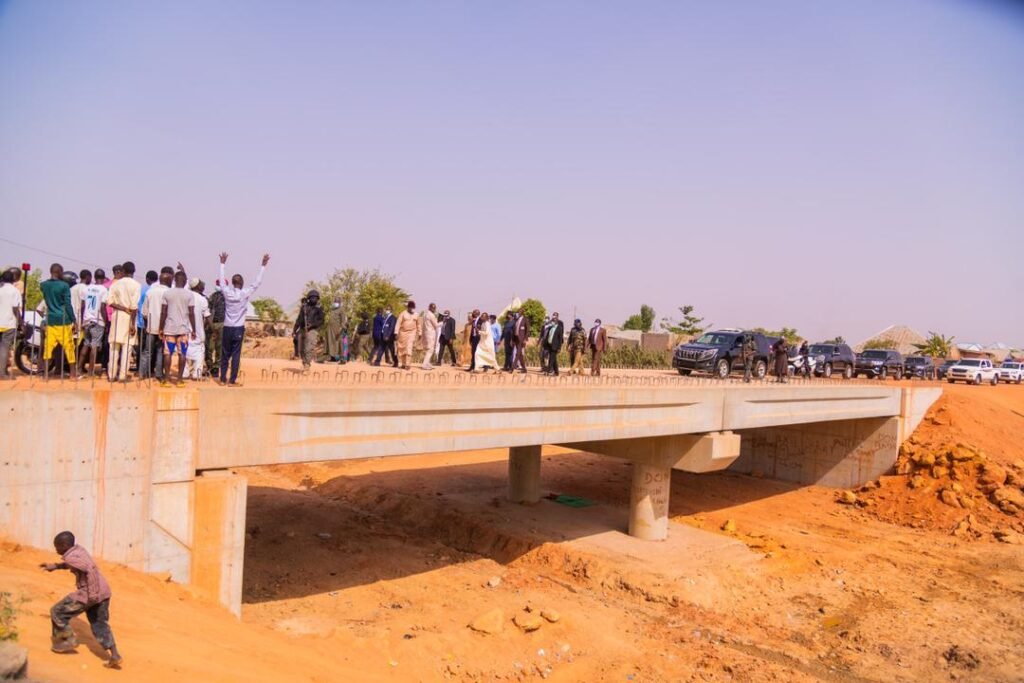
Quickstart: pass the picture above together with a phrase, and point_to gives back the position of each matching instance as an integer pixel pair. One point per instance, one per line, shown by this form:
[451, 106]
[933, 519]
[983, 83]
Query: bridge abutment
[841, 454]
[218, 545]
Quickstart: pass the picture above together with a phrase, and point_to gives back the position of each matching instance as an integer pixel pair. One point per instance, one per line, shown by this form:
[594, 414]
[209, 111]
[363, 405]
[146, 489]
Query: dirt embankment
[166, 632]
[962, 471]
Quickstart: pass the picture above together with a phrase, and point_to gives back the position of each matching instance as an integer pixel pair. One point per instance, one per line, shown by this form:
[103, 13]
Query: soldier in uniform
[749, 353]
[577, 347]
[781, 361]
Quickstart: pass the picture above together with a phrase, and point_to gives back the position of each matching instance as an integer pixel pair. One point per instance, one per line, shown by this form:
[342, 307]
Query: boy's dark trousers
[98, 615]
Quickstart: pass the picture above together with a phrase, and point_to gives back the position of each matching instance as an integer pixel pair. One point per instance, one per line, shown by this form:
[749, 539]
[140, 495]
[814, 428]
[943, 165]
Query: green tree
[835, 340]
[535, 312]
[879, 343]
[268, 309]
[380, 292]
[643, 321]
[360, 291]
[935, 345]
[788, 333]
[689, 325]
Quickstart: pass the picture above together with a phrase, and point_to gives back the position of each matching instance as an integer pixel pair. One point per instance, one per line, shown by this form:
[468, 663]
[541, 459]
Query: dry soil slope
[167, 634]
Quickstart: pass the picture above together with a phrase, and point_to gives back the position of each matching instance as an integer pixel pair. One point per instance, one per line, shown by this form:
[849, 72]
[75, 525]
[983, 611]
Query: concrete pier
[524, 474]
[648, 501]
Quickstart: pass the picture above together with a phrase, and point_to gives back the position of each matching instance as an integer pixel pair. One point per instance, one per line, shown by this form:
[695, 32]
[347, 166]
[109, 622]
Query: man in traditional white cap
[195, 357]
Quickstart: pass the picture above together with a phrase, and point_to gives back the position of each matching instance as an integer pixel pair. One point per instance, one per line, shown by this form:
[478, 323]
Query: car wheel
[898, 375]
[883, 373]
[684, 372]
[722, 368]
[827, 372]
[760, 369]
[995, 380]
[1018, 379]
[847, 372]
[977, 379]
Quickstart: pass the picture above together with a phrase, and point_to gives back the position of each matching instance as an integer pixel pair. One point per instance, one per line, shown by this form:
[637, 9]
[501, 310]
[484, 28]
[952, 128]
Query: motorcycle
[28, 352]
[799, 365]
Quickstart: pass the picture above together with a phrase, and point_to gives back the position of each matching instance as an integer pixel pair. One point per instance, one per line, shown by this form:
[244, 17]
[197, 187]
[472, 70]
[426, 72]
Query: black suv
[720, 353]
[919, 366]
[829, 358]
[940, 372]
[879, 363]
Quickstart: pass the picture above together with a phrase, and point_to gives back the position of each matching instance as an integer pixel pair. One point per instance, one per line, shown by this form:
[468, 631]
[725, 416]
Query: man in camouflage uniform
[577, 347]
[749, 353]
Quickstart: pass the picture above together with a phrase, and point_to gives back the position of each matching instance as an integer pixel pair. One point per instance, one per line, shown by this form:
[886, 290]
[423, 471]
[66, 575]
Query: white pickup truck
[973, 371]
[1011, 371]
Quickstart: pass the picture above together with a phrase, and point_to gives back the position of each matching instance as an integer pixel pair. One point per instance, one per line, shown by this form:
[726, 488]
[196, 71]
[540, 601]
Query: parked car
[919, 366]
[973, 371]
[720, 353]
[940, 372]
[829, 358]
[879, 363]
[1011, 371]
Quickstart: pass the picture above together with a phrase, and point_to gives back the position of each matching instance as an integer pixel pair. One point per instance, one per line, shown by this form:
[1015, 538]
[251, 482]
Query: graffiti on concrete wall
[827, 453]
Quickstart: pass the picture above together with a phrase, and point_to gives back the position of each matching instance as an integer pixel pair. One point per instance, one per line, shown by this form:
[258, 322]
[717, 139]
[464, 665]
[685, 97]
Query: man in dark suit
[508, 339]
[474, 338]
[554, 335]
[447, 339]
[540, 347]
[378, 328]
[597, 340]
[386, 347]
[520, 333]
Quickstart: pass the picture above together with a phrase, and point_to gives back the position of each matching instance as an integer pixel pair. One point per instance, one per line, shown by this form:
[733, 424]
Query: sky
[834, 167]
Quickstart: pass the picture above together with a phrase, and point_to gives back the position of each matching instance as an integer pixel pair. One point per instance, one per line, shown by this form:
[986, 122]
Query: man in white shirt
[123, 298]
[236, 304]
[92, 320]
[196, 356]
[10, 317]
[77, 293]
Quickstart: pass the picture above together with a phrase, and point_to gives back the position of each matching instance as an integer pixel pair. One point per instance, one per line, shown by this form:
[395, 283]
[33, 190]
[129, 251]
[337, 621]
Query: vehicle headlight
[708, 353]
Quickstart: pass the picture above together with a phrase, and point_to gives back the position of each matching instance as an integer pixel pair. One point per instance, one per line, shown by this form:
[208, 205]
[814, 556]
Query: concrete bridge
[148, 477]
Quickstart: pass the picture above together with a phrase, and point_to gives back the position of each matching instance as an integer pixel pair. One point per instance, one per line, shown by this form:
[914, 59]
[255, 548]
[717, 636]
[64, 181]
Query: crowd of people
[431, 335]
[167, 325]
[169, 328]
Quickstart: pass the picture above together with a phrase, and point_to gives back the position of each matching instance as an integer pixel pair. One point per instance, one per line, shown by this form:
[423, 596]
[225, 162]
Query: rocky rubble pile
[962, 476]
[958, 477]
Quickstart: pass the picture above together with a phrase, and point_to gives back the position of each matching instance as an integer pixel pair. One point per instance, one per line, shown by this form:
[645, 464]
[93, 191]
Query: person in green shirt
[60, 317]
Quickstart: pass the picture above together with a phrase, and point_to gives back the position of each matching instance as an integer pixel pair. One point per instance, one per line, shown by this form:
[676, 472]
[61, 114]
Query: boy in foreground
[92, 596]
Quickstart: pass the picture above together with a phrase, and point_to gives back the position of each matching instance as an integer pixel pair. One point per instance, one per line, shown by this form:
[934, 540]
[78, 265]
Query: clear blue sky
[810, 164]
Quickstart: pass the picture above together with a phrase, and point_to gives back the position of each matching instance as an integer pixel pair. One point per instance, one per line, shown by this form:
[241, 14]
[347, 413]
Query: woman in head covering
[486, 359]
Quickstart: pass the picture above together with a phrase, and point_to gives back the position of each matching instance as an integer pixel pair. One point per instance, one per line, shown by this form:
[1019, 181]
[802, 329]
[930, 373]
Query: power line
[50, 253]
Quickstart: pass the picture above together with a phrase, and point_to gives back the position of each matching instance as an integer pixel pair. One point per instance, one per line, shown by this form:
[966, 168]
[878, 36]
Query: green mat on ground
[574, 501]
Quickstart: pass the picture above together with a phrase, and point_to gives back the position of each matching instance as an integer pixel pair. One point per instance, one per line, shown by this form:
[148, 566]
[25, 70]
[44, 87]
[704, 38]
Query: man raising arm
[236, 302]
